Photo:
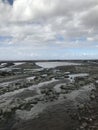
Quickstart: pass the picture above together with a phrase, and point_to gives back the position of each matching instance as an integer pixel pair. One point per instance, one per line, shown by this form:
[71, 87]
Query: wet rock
[83, 126]
[90, 120]
[6, 110]
[63, 87]
[63, 91]
[77, 129]
[0, 111]
[67, 91]
[22, 107]
[51, 96]
[66, 76]
[62, 96]
[57, 91]
[40, 99]
[81, 83]
[34, 101]
[92, 96]
[18, 105]
[17, 100]
[81, 106]
[43, 91]
[96, 83]
[86, 119]
[1, 117]
[27, 106]
[13, 106]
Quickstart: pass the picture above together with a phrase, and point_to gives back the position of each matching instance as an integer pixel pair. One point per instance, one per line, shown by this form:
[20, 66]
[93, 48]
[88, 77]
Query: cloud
[90, 19]
[47, 24]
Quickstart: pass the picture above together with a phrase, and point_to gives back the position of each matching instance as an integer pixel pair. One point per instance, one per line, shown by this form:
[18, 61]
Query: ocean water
[55, 64]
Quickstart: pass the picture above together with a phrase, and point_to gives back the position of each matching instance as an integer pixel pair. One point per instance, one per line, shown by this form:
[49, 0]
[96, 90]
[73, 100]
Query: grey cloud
[68, 18]
[90, 19]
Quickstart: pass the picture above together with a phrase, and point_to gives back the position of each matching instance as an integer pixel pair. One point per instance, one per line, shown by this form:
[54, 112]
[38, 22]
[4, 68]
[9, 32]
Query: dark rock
[92, 96]
[84, 125]
[81, 106]
[63, 87]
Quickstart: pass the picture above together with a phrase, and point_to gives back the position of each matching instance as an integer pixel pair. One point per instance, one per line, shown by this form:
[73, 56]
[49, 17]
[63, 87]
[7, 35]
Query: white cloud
[44, 23]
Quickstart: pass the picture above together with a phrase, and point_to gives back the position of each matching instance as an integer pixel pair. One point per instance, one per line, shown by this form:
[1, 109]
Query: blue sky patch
[60, 38]
[9, 1]
[4, 38]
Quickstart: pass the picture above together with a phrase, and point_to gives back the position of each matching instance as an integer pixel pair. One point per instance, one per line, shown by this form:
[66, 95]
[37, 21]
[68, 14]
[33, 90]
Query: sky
[48, 29]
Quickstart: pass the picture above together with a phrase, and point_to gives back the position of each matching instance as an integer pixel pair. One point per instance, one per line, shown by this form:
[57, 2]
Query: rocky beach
[60, 95]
